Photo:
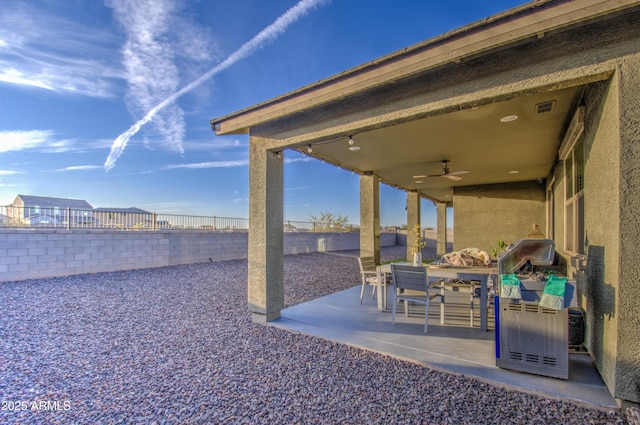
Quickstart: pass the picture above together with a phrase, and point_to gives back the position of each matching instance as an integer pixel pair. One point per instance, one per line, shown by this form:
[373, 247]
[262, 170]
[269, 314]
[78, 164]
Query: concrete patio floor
[453, 347]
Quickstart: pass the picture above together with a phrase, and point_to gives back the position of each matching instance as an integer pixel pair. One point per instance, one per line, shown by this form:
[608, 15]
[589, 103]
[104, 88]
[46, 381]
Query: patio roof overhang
[444, 99]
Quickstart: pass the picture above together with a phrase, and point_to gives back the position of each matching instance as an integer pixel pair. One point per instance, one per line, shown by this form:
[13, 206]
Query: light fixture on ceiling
[352, 146]
[421, 176]
[509, 118]
[514, 172]
[309, 149]
[418, 181]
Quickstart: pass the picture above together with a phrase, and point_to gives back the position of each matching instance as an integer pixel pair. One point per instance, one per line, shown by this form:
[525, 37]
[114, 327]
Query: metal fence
[69, 218]
[122, 219]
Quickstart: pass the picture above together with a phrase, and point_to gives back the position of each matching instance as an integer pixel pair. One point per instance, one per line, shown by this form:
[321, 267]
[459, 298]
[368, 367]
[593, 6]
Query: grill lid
[537, 251]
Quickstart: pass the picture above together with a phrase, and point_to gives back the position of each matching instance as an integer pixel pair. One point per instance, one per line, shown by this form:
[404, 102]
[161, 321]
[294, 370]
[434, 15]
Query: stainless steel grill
[529, 337]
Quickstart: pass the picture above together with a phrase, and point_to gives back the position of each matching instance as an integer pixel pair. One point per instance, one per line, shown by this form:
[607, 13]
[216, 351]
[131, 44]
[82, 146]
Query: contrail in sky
[268, 34]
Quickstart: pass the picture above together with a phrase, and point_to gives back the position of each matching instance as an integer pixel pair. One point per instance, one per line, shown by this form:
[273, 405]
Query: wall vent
[545, 107]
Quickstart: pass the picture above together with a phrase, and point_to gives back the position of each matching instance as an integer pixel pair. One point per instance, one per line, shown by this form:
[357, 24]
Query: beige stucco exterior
[611, 278]
[628, 358]
[413, 220]
[266, 240]
[370, 216]
[584, 53]
[500, 211]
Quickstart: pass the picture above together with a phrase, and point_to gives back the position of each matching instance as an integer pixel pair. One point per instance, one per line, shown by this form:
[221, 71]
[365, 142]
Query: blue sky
[110, 101]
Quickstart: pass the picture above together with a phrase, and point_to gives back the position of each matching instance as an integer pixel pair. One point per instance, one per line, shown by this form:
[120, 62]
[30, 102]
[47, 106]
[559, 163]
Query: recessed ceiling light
[354, 148]
[509, 118]
[418, 177]
[418, 181]
[514, 172]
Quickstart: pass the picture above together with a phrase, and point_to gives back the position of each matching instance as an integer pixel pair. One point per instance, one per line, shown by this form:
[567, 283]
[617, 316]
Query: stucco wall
[32, 254]
[484, 214]
[609, 280]
[628, 365]
[599, 286]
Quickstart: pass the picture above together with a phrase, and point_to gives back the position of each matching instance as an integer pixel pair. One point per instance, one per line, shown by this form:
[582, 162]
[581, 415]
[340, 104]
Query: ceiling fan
[448, 174]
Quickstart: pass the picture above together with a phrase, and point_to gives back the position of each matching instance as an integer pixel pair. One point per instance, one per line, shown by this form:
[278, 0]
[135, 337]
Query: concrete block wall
[202, 247]
[300, 243]
[40, 253]
[36, 253]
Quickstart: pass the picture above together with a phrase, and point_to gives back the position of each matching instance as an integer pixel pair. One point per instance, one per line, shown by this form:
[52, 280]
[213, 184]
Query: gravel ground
[176, 345]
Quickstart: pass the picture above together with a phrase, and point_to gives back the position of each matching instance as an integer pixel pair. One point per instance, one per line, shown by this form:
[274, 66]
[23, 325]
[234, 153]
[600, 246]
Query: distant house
[123, 217]
[41, 210]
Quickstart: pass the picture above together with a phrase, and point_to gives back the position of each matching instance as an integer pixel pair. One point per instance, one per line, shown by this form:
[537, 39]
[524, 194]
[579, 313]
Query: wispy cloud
[301, 159]
[40, 48]
[228, 164]
[13, 76]
[162, 44]
[196, 145]
[46, 141]
[265, 36]
[212, 164]
[21, 140]
[80, 168]
[8, 172]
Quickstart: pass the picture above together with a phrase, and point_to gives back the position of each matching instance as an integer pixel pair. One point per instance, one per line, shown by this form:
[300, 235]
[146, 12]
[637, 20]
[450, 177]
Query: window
[551, 208]
[574, 198]
[572, 155]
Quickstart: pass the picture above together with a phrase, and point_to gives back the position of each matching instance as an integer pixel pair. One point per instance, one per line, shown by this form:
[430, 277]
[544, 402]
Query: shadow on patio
[453, 347]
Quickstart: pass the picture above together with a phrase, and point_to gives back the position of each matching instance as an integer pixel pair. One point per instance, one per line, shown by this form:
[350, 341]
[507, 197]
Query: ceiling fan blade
[446, 173]
[457, 173]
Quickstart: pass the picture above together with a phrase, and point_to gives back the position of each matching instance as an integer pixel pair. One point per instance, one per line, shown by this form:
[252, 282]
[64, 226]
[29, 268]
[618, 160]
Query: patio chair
[369, 276]
[410, 284]
[459, 285]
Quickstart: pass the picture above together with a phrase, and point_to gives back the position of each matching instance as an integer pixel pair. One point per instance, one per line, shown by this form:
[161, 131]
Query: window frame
[573, 202]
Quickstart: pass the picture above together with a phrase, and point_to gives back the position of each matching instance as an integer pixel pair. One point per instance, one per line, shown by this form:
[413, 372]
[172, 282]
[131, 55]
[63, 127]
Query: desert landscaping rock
[176, 345]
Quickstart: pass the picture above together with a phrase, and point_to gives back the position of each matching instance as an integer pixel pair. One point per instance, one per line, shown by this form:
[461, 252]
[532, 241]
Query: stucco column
[266, 259]
[441, 238]
[370, 216]
[628, 309]
[413, 219]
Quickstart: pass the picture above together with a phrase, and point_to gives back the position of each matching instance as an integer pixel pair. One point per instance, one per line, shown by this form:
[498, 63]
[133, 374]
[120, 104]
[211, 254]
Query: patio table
[480, 274]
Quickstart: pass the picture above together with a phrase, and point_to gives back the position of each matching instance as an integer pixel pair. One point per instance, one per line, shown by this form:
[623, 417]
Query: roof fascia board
[428, 55]
[555, 81]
